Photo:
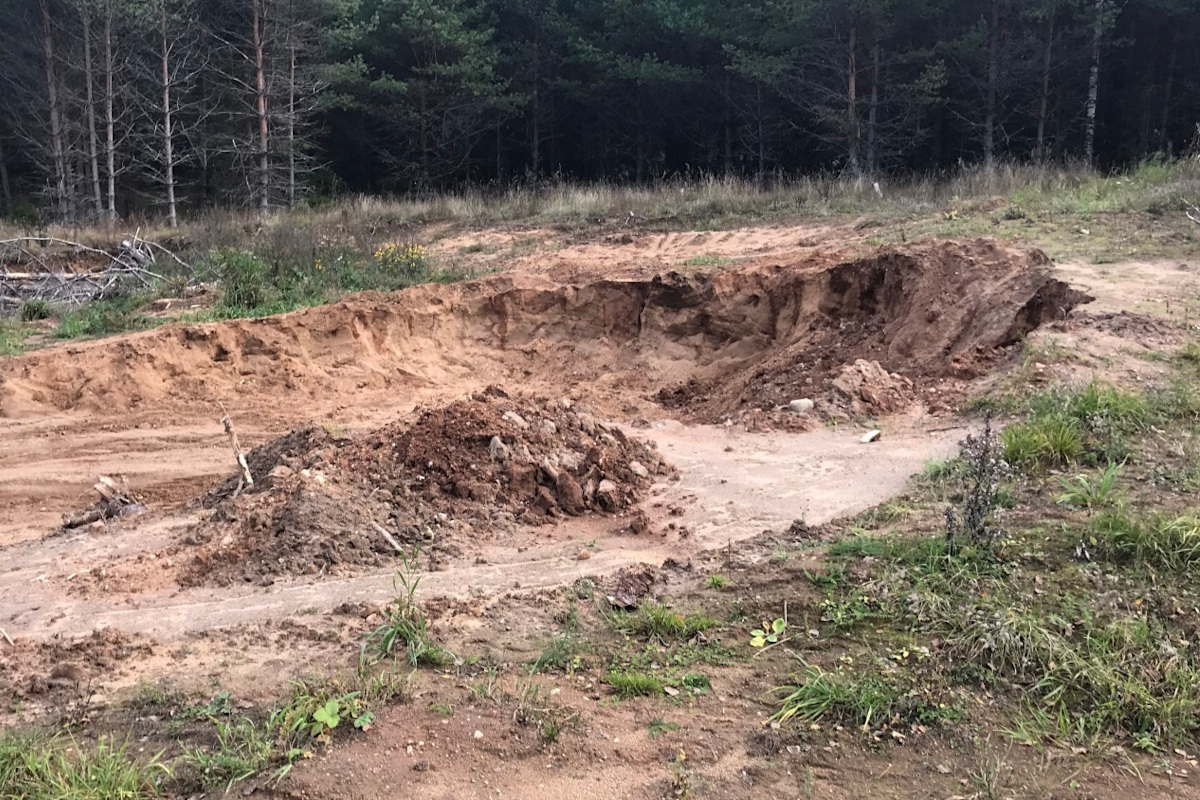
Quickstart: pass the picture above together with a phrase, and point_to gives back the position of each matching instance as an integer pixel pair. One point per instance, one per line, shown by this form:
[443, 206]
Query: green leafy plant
[34, 309]
[658, 726]
[406, 626]
[1089, 491]
[768, 633]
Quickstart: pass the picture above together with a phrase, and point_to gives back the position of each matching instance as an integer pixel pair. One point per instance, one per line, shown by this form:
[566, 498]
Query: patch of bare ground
[595, 648]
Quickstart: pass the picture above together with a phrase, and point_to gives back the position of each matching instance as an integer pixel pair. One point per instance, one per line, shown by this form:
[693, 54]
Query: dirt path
[731, 486]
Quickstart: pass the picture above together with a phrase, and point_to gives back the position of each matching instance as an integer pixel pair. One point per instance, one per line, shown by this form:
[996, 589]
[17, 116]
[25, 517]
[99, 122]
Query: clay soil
[534, 432]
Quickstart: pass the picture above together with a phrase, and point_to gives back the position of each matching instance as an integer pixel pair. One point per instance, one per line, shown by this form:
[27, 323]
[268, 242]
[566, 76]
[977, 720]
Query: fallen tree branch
[237, 448]
[390, 539]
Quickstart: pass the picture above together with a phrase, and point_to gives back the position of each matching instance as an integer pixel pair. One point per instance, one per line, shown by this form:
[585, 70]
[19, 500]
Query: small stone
[584, 555]
[801, 406]
[943, 769]
[548, 427]
[793, 749]
[498, 449]
[871, 436]
[570, 494]
[281, 472]
[515, 419]
[607, 495]
[98, 525]
[478, 734]
[671, 691]
[637, 469]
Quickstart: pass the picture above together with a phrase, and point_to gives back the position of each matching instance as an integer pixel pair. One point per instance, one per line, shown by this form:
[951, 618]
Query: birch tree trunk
[85, 19]
[993, 77]
[110, 148]
[168, 132]
[5, 186]
[872, 112]
[264, 142]
[291, 125]
[852, 129]
[56, 128]
[1164, 139]
[1089, 141]
[1039, 152]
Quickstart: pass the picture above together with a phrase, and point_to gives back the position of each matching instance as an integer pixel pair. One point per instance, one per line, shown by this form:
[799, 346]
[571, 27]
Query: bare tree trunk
[1039, 152]
[110, 149]
[1164, 138]
[728, 130]
[1089, 142]
[762, 147]
[535, 150]
[872, 111]
[5, 186]
[260, 77]
[291, 126]
[56, 128]
[168, 132]
[852, 131]
[993, 77]
[89, 77]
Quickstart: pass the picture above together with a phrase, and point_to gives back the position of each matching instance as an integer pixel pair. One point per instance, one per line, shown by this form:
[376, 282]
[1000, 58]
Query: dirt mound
[474, 468]
[865, 389]
[735, 339]
[925, 312]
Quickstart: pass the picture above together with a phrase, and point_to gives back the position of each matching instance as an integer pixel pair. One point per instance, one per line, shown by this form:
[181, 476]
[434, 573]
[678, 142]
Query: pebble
[513, 418]
[637, 469]
[584, 555]
[801, 406]
[871, 436]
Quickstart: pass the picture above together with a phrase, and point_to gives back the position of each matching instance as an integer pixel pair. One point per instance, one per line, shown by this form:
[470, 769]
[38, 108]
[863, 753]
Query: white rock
[801, 406]
[871, 436]
[513, 418]
[637, 469]
[498, 449]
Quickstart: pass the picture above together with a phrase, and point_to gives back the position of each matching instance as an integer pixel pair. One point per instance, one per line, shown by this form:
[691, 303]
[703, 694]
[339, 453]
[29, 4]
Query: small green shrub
[245, 279]
[34, 309]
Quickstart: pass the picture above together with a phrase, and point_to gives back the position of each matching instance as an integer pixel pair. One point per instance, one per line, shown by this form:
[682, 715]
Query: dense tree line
[107, 106]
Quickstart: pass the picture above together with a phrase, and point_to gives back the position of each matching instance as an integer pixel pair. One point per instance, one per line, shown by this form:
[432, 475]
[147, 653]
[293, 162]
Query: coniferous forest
[114, 107]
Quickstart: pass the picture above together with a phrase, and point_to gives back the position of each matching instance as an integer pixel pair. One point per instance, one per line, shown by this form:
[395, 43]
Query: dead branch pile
[32, 267]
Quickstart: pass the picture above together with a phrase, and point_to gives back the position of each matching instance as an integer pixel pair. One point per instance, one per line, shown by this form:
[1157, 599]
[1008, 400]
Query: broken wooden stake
[237, 448]
[390, 539]
[7, 638]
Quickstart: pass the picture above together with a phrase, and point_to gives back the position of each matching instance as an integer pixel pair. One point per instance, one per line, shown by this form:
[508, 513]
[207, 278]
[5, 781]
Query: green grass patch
[60, 768]
[707, 260]
[104, 318]
[657, 621]
[12, 338]
[627, 684]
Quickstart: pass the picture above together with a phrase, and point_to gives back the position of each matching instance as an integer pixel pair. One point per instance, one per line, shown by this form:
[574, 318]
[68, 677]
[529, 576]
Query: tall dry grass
[362, 222]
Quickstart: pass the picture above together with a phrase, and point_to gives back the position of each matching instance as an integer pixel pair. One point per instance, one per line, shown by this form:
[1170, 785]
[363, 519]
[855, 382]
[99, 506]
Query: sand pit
[709, 345]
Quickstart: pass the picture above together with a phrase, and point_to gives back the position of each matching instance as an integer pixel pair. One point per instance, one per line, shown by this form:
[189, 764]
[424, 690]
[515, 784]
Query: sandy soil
[698, 362]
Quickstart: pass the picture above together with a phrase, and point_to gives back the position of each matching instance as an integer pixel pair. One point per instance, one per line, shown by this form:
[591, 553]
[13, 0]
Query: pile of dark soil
[474, 468]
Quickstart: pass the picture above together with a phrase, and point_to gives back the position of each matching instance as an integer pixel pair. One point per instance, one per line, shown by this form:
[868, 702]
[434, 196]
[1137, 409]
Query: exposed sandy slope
[590, 322]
